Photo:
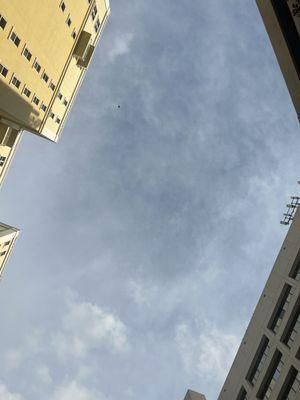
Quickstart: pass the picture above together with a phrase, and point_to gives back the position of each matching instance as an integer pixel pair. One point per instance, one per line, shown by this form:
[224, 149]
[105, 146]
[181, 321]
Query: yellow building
[45, 48]
[8, 236]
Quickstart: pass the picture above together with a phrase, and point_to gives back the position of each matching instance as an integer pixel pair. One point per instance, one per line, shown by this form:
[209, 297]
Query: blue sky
[148, 232]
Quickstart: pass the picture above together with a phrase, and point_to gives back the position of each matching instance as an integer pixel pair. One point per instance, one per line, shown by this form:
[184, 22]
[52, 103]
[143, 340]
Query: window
[2, 253]
[295, 272]
[271, 378]
[291, 386]
[293, 326]
[26, 92]
[15, 81]
[259, 360]
[52, 115]
[35, 100]
[60, 96]
[3, 70]
[2, 161]
[65, 102]
[57, 120]
[6, 243]
[45, 77]
[37, 66]
[52, 86]
[27, 54]
[74, 34]
[97, 25]
[242, 394]
[94, 12]
[62, 6]
[3, 22]
[281, 308]
[14, 38]
[43, 107]
[68, 21]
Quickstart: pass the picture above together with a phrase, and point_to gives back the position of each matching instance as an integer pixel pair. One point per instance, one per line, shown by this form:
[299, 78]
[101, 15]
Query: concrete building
[267, 365]
[45, 49]
[191, 395]
[8, 237]
[282, 21]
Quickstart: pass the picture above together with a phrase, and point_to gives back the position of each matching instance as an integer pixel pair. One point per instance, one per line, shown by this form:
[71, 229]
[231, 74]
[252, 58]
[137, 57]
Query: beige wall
[42, 28]
[8, 236]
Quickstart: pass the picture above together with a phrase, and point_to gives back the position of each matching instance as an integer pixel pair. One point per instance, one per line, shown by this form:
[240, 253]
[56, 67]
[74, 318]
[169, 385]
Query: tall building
[45, 49]
[8, 236]
[282, 21]
[267, 365]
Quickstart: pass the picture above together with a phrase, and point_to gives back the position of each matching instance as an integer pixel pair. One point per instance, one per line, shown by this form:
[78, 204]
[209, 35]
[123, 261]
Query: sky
[149, 230]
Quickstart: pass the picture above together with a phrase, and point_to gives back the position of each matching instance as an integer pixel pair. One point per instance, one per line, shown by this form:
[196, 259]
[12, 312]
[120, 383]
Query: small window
[57, 120]
[3, 70]
[94, 12]
[37, 66]
[69, 21]
[97, 25]
[26, 92]
[6, 243]
[63, 6]
[27, 54]
[242, 394]
[65, 102]
[45, 77]
[14, 38]
[52, 115]
[60, 96]
[74, 34]
[2, 161]
[3, 22]
[2, 253]
[15, 81]
[35, 100]
[52, 86]
[43, 107]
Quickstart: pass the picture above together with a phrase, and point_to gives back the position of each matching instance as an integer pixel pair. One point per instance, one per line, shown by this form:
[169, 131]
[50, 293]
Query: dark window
[271, 378]
[35, 100]
[27, 92]
[65, 102]
[259, 360]
[281, 308]
[2, 253]
[27, 54]
[37, 66]
[293, 326]
[14, 38]
[57, 120]
[242, 394]
[69, 21]
[15, 81]
[43, 107]
[3, 70]
[60, 96]
[290, 388]
[52, 115]
[52, 86]
[63, 6]
[97, 25]
[45, 77]
[289, 30]
[94, 12]
[6, 243]
[295, 272]
[2, 161]
[3, 22]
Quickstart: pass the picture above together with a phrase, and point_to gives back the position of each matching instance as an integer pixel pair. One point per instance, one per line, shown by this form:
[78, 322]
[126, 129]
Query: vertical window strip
[259, 361]
[272, 376]
[281, 308]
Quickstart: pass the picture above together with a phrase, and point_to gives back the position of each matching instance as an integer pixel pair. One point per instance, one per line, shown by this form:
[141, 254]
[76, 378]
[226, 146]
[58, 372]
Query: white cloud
[13, 359]
[120, 46]
[6, 395]
[74, 391]
[208, 355]
[43, 375]
[85, 327]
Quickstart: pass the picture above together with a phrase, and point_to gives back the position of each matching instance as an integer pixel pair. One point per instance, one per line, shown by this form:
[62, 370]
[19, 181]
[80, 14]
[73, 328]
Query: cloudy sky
[149, 230]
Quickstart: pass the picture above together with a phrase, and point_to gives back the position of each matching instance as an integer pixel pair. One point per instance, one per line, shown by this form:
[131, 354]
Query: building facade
[8, 237]
[282, 22]
[267, 365]
[45, 49]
